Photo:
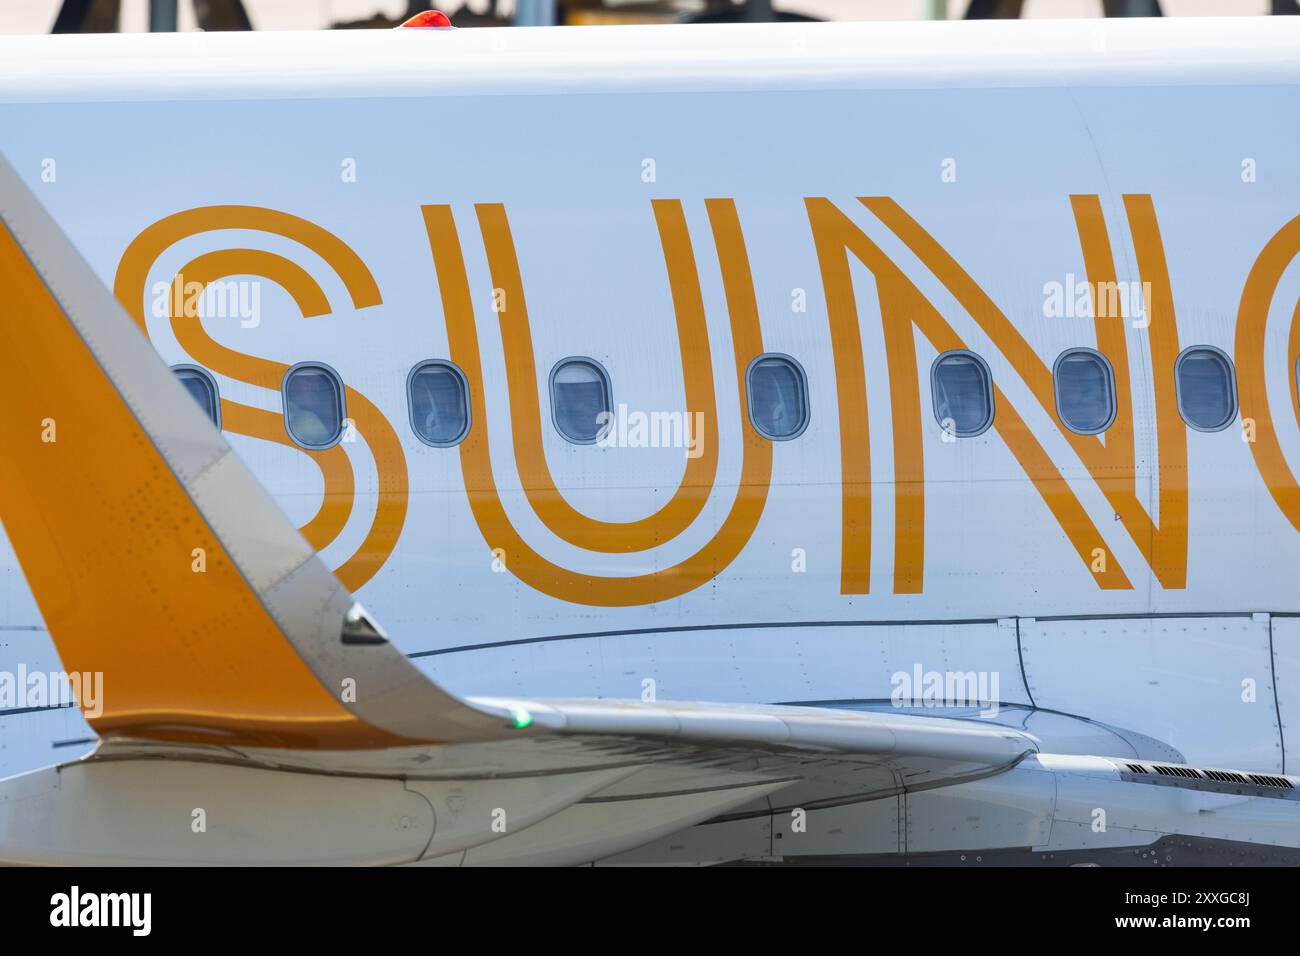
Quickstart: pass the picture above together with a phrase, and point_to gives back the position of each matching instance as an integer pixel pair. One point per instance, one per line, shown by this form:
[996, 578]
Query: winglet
[155, 556]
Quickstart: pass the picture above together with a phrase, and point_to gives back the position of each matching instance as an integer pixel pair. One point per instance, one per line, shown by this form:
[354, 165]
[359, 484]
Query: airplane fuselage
[853, 203]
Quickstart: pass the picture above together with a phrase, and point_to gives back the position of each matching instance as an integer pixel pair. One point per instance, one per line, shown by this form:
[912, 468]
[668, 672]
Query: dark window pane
[579, 397]
[439, 404]
[963, 394]
[1206, 393]
[1085, 395]
[778, 403]
[203, 390]
[313, 406]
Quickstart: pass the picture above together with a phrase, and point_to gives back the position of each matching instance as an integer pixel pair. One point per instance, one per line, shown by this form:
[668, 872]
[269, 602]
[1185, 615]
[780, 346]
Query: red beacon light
[429, 18]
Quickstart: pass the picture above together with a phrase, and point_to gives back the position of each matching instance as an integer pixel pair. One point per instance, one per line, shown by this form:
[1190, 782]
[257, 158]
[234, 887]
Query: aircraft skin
[673, 204]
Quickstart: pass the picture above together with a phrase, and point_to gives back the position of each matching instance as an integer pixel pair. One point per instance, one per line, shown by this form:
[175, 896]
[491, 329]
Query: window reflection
[313, 406]
[202, 389]
[579, 398]
[778, 397]
[1085, 391]
[963, 393]
[1207, 388]
[439, 403]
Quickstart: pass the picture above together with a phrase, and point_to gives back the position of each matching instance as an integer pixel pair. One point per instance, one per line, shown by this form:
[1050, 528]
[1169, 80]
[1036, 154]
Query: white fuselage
[998, 140]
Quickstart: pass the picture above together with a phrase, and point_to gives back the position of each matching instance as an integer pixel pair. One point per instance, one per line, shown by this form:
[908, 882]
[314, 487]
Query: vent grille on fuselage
[1226, 776]
[1264, 780]
[1213, 781]
[1176, 771]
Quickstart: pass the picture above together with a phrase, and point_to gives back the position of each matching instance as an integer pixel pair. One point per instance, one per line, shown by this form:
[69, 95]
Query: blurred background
[97, 16]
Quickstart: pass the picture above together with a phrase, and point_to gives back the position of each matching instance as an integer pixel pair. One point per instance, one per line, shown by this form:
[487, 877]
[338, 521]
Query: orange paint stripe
[903, 306]
[1168, 554]
[130, 284]
[1121, 492]
[1108, 319]
[393, 493]
[900, 305]
[1055, 491]
[692, 493]
[384, 445]
[476, 464]
[105, 535]
[130, 288]
[851, 398]
[1292, 355]
[336, 471]
[210, 267]
[1252, 326]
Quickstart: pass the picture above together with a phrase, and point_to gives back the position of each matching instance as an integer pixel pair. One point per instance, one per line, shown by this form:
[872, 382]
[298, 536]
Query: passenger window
[202, 389]
[962, 388]
[439, 401]
[778, 397]
[1207, 388]
[1085, 391]
[313, 405]
[580, 396]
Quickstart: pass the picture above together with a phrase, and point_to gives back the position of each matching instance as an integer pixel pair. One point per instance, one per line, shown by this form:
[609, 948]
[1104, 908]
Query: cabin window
[580, 400]
[313, 405]
[202, 388]
[962, 388]
[1085, 391]
[778, 397]
[438, 397]
[1207, 388]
